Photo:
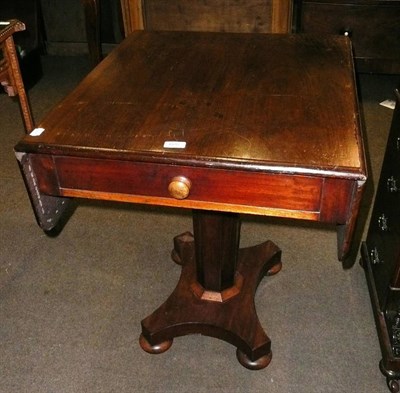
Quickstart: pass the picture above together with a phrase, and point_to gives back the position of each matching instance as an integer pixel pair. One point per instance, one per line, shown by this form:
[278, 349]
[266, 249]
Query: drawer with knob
[373, 27]
[278, 194]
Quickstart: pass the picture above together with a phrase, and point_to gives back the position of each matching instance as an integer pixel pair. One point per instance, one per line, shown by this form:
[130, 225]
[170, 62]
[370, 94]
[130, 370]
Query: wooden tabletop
[259, 102]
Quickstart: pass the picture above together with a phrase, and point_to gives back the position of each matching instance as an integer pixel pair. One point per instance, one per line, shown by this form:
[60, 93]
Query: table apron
[274, 194]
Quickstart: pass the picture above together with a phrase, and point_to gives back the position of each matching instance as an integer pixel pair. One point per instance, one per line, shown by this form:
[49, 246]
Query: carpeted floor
[71, 306]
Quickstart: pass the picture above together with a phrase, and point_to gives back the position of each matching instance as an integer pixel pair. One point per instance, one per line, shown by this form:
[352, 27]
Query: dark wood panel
[216, 15]
[373, 27]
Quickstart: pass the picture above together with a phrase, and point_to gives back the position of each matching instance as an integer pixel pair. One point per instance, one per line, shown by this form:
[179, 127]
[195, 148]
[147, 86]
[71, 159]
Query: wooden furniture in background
[209, 122]
[372, 25]
[10, 73]
[269, 16]
[381, 256]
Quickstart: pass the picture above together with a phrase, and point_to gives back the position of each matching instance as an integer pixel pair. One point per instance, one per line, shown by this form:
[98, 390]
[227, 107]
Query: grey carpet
[71, 306]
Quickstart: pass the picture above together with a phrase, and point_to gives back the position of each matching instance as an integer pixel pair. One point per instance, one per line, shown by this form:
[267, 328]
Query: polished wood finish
[372, 25]
[233, 319]
[10, 73]
[380, 256]
[211, 122]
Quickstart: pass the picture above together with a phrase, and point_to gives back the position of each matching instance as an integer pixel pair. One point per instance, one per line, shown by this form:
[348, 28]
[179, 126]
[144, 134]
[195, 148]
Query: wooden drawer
[306, 197]
[373, 27]
[70, 176]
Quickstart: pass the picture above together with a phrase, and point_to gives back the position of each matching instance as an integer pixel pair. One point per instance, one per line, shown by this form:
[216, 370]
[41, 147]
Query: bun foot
[154, 349]
[392, 377]
[393, 385]
[258, 364]
[274, 269]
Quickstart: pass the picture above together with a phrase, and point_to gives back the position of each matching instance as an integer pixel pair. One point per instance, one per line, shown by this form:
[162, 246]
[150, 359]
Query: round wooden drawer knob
[179, 188]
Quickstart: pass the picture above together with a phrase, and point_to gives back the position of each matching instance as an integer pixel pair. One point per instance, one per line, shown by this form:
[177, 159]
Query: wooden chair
[10, 73]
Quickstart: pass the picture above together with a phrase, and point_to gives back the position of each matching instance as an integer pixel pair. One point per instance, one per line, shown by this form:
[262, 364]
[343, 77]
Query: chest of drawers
[381, 256]
[373, 26]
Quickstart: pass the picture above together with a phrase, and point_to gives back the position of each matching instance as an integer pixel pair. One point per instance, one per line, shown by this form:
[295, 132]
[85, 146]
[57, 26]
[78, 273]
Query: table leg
[215, 293]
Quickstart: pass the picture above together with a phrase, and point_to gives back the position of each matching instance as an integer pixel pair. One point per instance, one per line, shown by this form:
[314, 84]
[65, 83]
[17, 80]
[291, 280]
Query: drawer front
[205, 185]
[293, 196]
[373, 29]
